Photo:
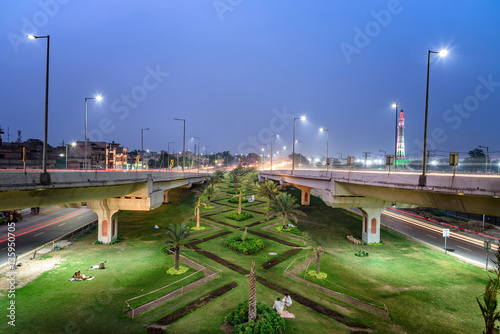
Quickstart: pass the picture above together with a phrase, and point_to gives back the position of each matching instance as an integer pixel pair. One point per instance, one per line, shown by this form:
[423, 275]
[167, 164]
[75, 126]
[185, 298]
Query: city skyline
[239, 73]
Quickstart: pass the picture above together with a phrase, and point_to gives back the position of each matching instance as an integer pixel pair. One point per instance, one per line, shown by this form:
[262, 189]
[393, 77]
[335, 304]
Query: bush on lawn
[267, 321]
[239, 217]
[236, 200]
[247, 247]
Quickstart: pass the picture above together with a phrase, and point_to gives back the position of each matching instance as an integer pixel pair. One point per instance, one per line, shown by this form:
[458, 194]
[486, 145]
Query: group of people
[281, 304]
[78, 276]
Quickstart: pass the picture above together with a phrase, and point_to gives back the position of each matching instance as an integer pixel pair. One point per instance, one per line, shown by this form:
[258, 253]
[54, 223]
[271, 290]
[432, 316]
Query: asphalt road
[464, 245]
[35, 231]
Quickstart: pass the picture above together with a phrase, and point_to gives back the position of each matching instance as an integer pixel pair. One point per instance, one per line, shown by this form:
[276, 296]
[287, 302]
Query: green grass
[425, 291]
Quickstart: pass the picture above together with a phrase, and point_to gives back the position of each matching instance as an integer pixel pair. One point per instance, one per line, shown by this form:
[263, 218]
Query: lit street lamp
[183, 143]
[98, 98]
[395, 105]
[302, 118]
[423, 178]
[487, 158]
[272, 136]
[142, 146]
[45, 177]
[327, 134]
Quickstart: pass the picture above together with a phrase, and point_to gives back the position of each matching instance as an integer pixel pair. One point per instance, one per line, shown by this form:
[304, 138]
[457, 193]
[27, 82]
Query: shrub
[361, 253]
[292, 230]
[381, 243]
[182, 270]
[239, 217]
[267, 321]
[247, 247]
[321, 275]
[117, 240]
[237, 200]
[231, 192]
[167, 250]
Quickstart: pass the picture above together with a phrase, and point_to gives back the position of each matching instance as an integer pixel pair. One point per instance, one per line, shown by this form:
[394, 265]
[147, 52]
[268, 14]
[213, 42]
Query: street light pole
[272, 136]
[198, 152]
[98, 98]
[487, 158]
[168, 154]
[72, 144]
[395, 105]
[422, 182]
[45, 177]
[293, 144]
[327, 134]
[183, 143]
[142, 146]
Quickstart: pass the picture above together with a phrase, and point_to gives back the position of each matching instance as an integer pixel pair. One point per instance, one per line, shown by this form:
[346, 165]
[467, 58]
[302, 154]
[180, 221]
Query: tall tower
[400, 152]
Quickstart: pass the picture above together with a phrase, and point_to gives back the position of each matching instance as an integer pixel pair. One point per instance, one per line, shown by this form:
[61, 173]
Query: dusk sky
[240, 70]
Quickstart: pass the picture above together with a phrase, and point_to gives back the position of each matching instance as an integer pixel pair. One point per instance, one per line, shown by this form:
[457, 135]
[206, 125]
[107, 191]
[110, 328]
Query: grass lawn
[424, 290]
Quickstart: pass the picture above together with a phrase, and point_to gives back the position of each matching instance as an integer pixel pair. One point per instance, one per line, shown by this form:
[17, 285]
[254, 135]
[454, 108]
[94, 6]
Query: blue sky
[238, 71]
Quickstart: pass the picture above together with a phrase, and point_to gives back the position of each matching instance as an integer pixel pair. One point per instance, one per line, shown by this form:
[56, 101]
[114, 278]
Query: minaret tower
[400, 152]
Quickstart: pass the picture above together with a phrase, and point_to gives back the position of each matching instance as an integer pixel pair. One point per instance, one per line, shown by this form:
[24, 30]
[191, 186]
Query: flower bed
[267, 321]
[248, 246]
[237, 200]
[239, 216]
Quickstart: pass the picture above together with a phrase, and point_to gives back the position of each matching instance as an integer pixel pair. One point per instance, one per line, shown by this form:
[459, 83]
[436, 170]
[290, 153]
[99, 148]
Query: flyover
[374, 191]
[105, 192]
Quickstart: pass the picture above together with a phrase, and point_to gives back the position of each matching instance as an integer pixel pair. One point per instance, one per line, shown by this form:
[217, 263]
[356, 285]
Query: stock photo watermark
[225, 6]
[123, 105]
[11, 276]
[363, 36]
[461, 111]
[30, 25]
[277, 124]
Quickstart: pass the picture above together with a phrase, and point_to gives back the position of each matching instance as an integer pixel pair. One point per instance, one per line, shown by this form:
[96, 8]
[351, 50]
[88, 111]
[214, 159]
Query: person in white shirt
[287, 301]
[278, 306]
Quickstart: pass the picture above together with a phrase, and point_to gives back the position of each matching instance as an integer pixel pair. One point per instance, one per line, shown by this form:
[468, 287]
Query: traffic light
[328, 161]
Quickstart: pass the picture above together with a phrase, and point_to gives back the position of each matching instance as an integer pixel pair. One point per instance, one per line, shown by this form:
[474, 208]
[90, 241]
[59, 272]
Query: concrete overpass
[374, 191]
[105, 192]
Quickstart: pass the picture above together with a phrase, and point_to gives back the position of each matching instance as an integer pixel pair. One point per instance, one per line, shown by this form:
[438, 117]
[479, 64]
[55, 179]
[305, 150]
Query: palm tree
[255, 178]
[219, 174]
[252, 294]
[489, 306]
[239, 202]
[197, 210]
[284, 205]
[236, 179]
[212, 180]
[318, 257]
[209, 192]
[177, 235]
[270, 190]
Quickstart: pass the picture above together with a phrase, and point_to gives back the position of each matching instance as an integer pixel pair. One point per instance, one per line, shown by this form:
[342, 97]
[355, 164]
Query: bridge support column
[107, 220]
[165, 196]
[305, 195]
[371, 224]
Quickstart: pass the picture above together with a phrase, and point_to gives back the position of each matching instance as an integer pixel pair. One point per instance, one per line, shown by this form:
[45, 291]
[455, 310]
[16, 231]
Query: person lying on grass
[78, 275]
[98, 266]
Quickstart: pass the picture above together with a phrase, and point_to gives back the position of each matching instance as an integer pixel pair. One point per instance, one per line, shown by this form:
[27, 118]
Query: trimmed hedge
[237, 200]
[267, 321]
[247, 247]
[234, 215]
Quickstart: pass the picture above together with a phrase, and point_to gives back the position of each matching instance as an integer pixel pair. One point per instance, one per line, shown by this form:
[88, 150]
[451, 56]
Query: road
[461, 244]
[35, 231]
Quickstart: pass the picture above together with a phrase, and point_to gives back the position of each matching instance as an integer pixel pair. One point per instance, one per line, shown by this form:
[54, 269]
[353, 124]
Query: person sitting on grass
[80, 276]
[287, 301]
[278, 306]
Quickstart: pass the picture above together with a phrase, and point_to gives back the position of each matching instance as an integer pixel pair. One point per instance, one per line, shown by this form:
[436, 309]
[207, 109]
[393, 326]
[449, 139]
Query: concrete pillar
[108, 225]
[305, 195]
[165, 196]
[371, 224]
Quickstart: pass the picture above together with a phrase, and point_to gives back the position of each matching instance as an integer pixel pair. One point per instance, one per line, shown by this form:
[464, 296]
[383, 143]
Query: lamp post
[142, 146]
[263, 156]
[45, 177]
[208, 155]
[183, 143]
[340, 157]
[423, 178]
[395, 105]
[198, 152]
[72, 144]
[272, 136]
[98, 98]
[302, 118]
[327, 134]
[487, 158]
[168, 154]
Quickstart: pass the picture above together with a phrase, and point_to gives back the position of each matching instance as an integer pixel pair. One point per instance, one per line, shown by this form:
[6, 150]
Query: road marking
[61, 224]
[431, 236]
[38, 234]
[4, 248]
[464, 248]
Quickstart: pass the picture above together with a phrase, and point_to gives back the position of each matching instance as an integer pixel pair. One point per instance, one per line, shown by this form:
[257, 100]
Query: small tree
[197, 210]
[284, 205]
[235, 179]
[269, 190]
[209, 192]
[176, 236]
[239, 201]
[319, 252]
[490, 302]
[252, 294]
